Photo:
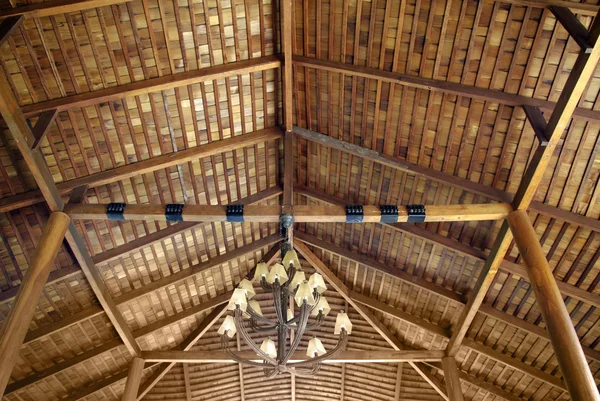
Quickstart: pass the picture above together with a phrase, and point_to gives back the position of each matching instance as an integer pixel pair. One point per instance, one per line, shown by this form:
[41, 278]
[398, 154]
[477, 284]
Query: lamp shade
[304, 292]
[322, 306]
[298, 279]
[291, 258]
[228, 327]
[269, 348]
[316, 281]
[277, 273]
[315, 348]
[246, 285]
[238, 298]
[255, 307]
[342, 322]
[262, 270]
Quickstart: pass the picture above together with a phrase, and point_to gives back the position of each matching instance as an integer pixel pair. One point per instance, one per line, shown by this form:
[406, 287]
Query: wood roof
[415, 101]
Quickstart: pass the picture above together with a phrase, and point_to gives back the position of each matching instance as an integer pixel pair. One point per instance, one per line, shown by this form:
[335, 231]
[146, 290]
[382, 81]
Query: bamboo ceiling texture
[394, 102]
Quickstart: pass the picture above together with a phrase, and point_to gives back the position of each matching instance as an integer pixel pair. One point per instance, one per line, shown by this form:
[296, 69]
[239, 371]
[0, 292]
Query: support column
[17, 324]
[134, 377]
[452, 379]
[570, 356]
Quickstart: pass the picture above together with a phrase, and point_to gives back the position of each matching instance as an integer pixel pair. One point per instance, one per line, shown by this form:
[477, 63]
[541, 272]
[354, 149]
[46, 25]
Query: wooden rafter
[344, 291]
[56, 7]
[565, 109]
[134, 377]
[146, 166]
[452, 379]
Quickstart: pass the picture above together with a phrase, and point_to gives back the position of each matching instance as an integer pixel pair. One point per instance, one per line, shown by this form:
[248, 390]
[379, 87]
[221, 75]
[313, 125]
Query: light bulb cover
[247, 286]
[342, 321]
[277, 272]
[299, 278]
[228, 326]
[316, 281]
[238, 298]
[315, 348]
[304, 292]
[322, 306]
[262, 270]
[269, 348]
[291, 258]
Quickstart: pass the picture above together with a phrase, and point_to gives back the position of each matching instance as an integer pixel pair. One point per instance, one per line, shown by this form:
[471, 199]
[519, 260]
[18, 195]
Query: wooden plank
[346, 356]
[41, 126]
[56, 7]
[344, 291]
[452, 379]
[7, 26]
[537, 122]
[434, 85]
[435, 175]
[155, 85]
[146, 166]
[19, 318]
[301, 213]
[568, 351]
[134, 377]
[575, 28]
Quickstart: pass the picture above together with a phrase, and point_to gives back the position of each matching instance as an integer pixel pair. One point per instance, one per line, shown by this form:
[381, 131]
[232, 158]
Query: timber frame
[510, 209]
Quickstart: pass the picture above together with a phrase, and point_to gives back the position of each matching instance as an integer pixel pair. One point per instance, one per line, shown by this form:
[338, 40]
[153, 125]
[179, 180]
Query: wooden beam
[343, 290]
[146, 166]
[445, 178]
[7, 26]
[41, 126]
[575, 28]
[19, 318]
[56, 7]
[537, 122]
[301, 213]
[299, 356]
[565, 342]
[286, 34]
[452, 379]
[434, 85]
[186, 379]
[577, 8]
[155, 85]
[134, 377]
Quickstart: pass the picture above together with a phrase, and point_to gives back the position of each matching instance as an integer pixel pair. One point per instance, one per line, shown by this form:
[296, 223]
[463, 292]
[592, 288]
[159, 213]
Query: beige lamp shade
[238, 298]
[255, 307]
[299, 278]
[262, 270]
[322, 306]
[304, 292]
[291, 258]
[277, 273]
[342, 321]
[315, 348]
[269, 348]
[228, 326]
[316, 281]
[246, 285]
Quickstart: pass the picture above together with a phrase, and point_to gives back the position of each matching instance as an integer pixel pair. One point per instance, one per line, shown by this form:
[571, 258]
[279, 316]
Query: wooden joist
[56, 7]
[538, 123]
[299, 356]
[155, 85]
[452, 379]
[41, 126]
[146, 166]
[442, 177]
[134, 377]
[577, 8]
[575, 28]
[301, 213]
[429, 84]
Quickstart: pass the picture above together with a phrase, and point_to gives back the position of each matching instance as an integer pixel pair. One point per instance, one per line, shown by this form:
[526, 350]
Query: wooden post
[16, 326]
[452, 379]
[134, 377]
[565, 342]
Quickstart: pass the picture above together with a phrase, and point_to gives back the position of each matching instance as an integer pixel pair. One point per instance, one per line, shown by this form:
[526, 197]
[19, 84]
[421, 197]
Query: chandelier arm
[318, 322]
[299, 331]
[241, 328]
[296, 318]
[277, 302]
[262, 329]
[234, 356]
[266, 286]
[336, 350]
[313, 370]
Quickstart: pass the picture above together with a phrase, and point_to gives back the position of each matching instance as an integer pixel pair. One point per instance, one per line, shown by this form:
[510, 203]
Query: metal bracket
[173, 212]
[389, 213]
[416, 213]
[235, 213]
[114, 211]
[354, 214]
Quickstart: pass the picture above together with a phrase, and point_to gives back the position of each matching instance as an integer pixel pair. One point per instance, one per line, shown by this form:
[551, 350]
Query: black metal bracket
[173, 212]
[416, 213]
[114, 211]
[389, 213]
[235, 213]
[354, 214]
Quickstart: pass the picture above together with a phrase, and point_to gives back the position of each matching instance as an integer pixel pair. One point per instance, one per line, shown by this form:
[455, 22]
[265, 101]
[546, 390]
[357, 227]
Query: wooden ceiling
[415, 101]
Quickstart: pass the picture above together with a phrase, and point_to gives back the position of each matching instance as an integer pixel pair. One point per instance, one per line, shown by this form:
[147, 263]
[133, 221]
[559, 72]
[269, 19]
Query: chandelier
[287, 284]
